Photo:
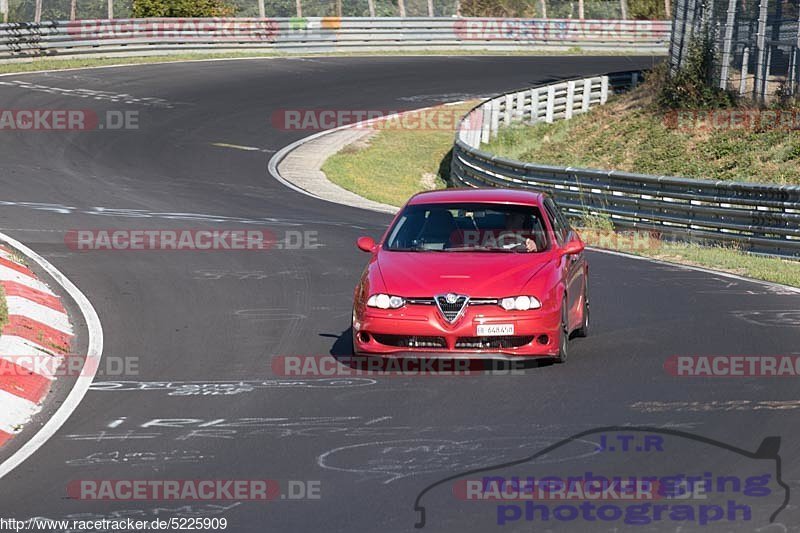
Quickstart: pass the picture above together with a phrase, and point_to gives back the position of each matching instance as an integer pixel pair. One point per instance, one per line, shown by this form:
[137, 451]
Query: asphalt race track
[219, 317]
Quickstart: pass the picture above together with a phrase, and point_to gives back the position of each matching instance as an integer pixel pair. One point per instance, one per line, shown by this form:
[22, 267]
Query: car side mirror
[366, 244]
[573, 247]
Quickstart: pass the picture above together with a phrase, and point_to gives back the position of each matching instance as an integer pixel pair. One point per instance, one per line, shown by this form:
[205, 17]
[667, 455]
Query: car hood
[479, 275]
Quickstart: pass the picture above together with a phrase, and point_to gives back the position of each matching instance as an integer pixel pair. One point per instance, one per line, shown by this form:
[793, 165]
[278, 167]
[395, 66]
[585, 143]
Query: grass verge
[3, 309]
[48, 63]
[632, 133]
[730, 260]
[396, 163]
[400, 158]
[598, 231]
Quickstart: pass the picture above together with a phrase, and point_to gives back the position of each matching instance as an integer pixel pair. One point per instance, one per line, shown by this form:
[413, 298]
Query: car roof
[496, 196]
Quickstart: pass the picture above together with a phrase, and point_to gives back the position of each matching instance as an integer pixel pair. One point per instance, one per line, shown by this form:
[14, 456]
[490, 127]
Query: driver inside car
[516, 231]
[515, 234]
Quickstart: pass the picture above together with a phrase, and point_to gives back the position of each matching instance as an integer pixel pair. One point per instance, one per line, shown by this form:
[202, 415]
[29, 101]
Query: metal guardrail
[760, 218]
[325, 34]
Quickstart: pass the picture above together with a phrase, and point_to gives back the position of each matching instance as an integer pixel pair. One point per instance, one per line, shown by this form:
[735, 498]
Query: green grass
[631, 134]
[597, 230]
[54, 63]
[390, 167]
[395, 163]
[3, 309]
[730, 260]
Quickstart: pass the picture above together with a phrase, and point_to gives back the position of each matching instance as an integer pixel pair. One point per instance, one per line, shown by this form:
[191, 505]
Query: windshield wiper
[416, 249]
[482, 249]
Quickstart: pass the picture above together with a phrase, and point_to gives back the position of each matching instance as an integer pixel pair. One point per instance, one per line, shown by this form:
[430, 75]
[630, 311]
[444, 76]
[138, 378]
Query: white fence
[548, 103]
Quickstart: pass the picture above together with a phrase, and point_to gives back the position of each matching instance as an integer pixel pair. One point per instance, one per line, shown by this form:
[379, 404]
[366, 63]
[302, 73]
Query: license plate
[495, 330]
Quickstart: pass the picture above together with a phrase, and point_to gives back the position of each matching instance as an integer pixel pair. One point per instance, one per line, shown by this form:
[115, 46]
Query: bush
[601, 9]
[647, 10]
[182, 8]
[692, 85]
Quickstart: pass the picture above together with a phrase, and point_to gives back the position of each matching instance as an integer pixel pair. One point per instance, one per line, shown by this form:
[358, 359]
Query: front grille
[411, 341]
[473, 301]
[487, 343]
[420, 301]
[451, 311]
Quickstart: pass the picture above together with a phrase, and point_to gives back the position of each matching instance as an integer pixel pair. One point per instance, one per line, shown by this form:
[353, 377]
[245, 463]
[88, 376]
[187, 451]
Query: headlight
[520, 303]
[385, 301]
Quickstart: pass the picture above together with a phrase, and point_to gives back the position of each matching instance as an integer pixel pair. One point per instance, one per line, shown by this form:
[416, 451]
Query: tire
[353, 351]
[583, 331]
[563, 337]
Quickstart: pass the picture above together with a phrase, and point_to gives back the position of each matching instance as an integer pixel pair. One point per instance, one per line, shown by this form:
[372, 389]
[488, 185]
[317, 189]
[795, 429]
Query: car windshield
[469, 227]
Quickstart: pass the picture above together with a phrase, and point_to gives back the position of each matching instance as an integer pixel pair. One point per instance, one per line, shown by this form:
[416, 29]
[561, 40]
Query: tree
[181, 8]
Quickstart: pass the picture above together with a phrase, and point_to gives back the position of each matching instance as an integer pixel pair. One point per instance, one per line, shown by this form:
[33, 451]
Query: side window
[564, 223]
[557, 221]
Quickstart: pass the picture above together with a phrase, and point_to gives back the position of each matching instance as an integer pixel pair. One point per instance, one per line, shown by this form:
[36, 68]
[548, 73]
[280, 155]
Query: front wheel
[563, 337]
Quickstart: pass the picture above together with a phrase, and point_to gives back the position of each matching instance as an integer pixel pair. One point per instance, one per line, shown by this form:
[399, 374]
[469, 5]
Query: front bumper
[420, 329]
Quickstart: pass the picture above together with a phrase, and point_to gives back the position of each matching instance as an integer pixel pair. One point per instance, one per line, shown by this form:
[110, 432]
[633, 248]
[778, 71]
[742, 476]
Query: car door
[573, 267]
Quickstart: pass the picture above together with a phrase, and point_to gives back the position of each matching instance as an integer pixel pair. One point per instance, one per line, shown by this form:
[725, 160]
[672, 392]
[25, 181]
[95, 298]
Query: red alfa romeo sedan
[483, 273]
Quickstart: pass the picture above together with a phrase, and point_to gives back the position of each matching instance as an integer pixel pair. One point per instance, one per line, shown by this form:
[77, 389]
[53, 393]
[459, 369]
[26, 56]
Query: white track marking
[94, 353]
[40, 313]
[9, 274]
[240, 147]
[16, 411]
[90, 93]
[280, 155]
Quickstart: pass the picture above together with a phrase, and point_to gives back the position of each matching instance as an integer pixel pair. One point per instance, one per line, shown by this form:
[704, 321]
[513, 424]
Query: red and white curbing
[33, 344]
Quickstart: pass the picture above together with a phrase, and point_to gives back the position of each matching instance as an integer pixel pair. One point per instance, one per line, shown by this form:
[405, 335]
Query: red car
[483, 273]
